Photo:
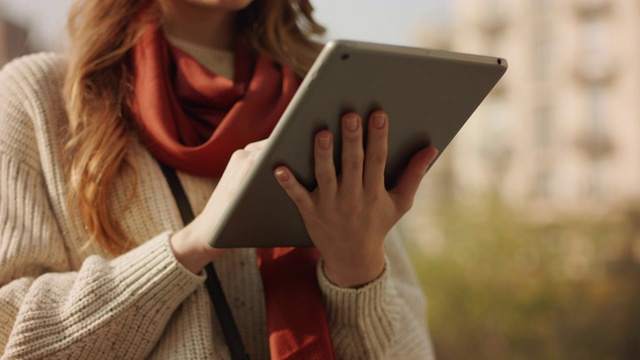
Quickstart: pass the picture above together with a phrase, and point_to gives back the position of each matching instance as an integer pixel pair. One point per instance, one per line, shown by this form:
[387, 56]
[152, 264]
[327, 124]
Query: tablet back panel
[428, 95]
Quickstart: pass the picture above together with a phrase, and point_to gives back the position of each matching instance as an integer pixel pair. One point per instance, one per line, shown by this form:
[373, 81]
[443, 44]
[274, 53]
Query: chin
[231, 5]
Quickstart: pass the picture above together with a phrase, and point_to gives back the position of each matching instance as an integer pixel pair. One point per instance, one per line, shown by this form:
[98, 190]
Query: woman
[95, 260]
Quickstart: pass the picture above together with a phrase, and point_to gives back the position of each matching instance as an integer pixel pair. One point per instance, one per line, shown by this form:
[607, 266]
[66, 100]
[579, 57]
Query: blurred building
[13, 40]
[561, 130]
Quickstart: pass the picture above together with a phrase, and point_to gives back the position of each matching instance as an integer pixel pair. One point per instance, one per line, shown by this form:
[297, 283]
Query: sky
[386, 21]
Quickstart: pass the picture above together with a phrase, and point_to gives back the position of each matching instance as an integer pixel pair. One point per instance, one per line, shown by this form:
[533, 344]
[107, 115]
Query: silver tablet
[427, 94]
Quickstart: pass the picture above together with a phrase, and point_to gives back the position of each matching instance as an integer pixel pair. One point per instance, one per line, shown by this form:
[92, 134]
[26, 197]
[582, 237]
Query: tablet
[427, 94]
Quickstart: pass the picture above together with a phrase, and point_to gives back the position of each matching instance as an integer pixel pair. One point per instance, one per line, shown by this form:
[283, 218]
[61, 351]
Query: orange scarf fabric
[193, 120]
[291, 293]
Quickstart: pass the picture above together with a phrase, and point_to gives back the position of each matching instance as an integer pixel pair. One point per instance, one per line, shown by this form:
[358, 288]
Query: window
[597, 110]
[496, 146]
[543, 126]
[542, 54]
[595, 30]
[543, 187]
[596, 180]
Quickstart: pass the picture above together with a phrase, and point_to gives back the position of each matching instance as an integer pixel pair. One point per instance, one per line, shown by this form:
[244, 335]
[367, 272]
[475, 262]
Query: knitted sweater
[62, 296]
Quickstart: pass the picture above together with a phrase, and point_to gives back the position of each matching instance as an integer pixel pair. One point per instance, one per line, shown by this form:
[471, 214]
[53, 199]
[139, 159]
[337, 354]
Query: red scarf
[193, 120]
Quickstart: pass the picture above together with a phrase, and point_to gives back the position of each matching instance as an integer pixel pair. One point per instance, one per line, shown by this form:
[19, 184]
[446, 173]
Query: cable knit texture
[62, 297]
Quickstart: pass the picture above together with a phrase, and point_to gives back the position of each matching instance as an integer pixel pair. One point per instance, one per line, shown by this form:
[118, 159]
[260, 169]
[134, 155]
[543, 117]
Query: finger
[294, 189]
[325, 169]
[376, 154]
[238, 164]
[256, 146]
[410, 180]
[352, 154]
[234, 175]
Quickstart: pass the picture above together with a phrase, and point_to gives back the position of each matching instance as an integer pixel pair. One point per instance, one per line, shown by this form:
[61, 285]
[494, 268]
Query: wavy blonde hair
[98, 88]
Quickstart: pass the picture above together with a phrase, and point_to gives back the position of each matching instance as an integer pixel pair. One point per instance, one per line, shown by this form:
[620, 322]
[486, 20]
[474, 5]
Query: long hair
[98, 86]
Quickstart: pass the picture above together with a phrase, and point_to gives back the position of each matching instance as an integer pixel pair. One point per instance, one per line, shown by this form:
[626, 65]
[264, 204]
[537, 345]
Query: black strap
[228, 324]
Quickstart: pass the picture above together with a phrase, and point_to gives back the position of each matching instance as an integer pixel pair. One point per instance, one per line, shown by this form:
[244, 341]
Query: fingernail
[281, 175]
[379, 120]
[324, 142]
[351, 123]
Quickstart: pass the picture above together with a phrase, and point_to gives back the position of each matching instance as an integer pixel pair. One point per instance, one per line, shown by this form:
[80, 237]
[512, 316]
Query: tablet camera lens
[344, 56]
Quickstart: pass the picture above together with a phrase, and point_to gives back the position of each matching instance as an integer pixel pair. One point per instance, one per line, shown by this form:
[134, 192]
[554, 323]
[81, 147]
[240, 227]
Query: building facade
[560, 131]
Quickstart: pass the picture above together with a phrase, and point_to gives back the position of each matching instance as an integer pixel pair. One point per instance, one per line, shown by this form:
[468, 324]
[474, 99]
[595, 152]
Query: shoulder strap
[223, 311]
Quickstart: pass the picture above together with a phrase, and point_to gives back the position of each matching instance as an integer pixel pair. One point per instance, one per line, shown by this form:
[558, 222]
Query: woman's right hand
[191, 244]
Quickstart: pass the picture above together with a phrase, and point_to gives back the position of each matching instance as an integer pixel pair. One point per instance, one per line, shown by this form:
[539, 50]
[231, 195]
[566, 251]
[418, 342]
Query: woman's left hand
[349, 216]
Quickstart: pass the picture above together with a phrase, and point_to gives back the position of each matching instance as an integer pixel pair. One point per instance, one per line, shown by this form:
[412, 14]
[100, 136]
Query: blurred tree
[505, 287]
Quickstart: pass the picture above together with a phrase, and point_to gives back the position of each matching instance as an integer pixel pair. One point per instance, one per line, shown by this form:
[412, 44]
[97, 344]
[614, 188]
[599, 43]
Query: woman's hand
[349, 216]
[191, 244]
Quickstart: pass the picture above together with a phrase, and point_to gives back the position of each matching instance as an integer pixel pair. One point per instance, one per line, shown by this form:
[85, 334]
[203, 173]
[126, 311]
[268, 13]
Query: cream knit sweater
[62, 297]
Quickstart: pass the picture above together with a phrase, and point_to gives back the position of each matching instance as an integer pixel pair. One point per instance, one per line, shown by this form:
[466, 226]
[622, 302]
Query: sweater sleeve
[109, 309]
[48, 308]
[115, 307]
[385, 319]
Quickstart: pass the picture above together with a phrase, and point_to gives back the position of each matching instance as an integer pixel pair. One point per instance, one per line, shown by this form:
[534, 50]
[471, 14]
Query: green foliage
[503, 286]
